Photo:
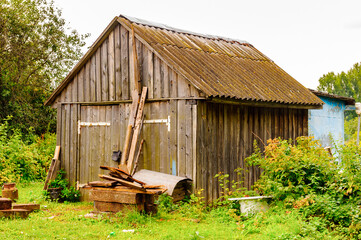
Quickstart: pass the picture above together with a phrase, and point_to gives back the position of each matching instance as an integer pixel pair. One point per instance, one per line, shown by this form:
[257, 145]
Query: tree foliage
[37, 49]
[346, 84]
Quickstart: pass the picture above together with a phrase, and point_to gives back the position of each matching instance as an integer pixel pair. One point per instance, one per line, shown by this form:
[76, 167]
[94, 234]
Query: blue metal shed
[328, 123]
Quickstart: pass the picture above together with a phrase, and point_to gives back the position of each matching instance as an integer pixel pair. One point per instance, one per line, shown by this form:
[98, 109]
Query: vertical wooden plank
[219, 125]
[164, 151]
[194, 143]
[245, 143]
[111, 66]
[183, 87]
[285, 124]
[115, 128]
[188, 140]
[93, 96]
[74, 96]
[294, 126]
[78, 151]
[124, 52]
[173, 78]
[212, 148]
[157, 88]
[207, 161]
[131, 63]
[156, 128]
[98, 73]
[58, 125]
[67, 96]
[267, 131]
[71, 144]
[164, 79]
[237, 130]
[87, 82]
[150, 71]
[75, 142]
[118, 60]
[299, 122]
[63, 137]
[104, 69]
[249, 146]
[173, 136]
[290, 127]
[200, 146]
[108, 144]
[305, 122]
[276, 122]
[139, 49]
[66, 148]
[103, 137]
[181, 135]
[233, 142]
[82, 155]
[281, 123]
[89, 150]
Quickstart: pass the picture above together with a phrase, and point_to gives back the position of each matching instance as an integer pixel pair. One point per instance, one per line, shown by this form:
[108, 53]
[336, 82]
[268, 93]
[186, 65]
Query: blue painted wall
[322, 123]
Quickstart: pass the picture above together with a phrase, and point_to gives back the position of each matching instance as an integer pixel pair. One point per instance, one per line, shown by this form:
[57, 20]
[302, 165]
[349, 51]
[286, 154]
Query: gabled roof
[219, 67]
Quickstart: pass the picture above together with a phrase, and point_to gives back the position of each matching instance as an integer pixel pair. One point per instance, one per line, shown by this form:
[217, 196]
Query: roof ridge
[169, 28]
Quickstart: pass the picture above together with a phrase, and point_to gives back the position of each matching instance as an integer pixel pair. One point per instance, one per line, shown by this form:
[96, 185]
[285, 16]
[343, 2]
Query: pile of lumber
[118, 177]
[10, 210]
[121, 191]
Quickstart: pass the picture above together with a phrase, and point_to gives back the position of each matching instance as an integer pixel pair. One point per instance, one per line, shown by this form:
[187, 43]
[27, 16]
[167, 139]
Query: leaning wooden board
[53, 167]
[137, 128]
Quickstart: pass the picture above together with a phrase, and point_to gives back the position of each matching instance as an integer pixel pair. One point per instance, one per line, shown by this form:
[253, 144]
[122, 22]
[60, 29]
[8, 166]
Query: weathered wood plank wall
[225, 137]
[107, 76]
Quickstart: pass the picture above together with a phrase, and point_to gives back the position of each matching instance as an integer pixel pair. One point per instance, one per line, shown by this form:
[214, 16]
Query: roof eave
[270, 104]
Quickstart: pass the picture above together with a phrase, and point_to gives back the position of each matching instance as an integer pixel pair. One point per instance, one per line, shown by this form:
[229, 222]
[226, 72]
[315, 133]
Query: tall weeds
[24, 160]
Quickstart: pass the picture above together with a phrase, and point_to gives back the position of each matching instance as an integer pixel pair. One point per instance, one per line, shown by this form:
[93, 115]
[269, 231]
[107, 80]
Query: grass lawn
[70, 221]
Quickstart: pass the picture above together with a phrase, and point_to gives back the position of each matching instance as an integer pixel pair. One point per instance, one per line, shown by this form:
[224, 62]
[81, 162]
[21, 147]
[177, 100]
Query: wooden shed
[208, 99]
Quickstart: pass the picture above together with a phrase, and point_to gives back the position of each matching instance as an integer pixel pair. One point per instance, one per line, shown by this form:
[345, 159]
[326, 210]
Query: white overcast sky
[307, 38]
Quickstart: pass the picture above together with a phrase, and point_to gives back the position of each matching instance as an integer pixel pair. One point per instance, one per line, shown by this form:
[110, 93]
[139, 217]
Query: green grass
[68, 221]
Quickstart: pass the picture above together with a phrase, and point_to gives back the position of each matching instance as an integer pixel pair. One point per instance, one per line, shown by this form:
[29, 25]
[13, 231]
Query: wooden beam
[136, 129]
[123, 182]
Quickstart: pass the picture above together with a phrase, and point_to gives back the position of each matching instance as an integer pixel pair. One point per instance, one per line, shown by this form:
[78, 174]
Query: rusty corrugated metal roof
[222, 67]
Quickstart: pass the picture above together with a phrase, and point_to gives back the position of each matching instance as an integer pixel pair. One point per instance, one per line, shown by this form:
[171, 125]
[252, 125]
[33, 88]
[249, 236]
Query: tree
[344, 84]
[37, 49]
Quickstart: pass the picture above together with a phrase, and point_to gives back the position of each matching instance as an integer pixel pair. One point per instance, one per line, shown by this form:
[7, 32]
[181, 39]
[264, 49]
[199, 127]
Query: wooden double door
[102, 129]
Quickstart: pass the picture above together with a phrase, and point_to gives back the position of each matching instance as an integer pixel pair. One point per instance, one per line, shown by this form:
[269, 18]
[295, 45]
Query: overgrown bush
[291, 171]
[306, 177]
[24, 160]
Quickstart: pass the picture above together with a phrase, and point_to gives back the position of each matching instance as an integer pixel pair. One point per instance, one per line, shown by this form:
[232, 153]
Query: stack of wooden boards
[121, 191]
[9, 190]
[10, 210]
